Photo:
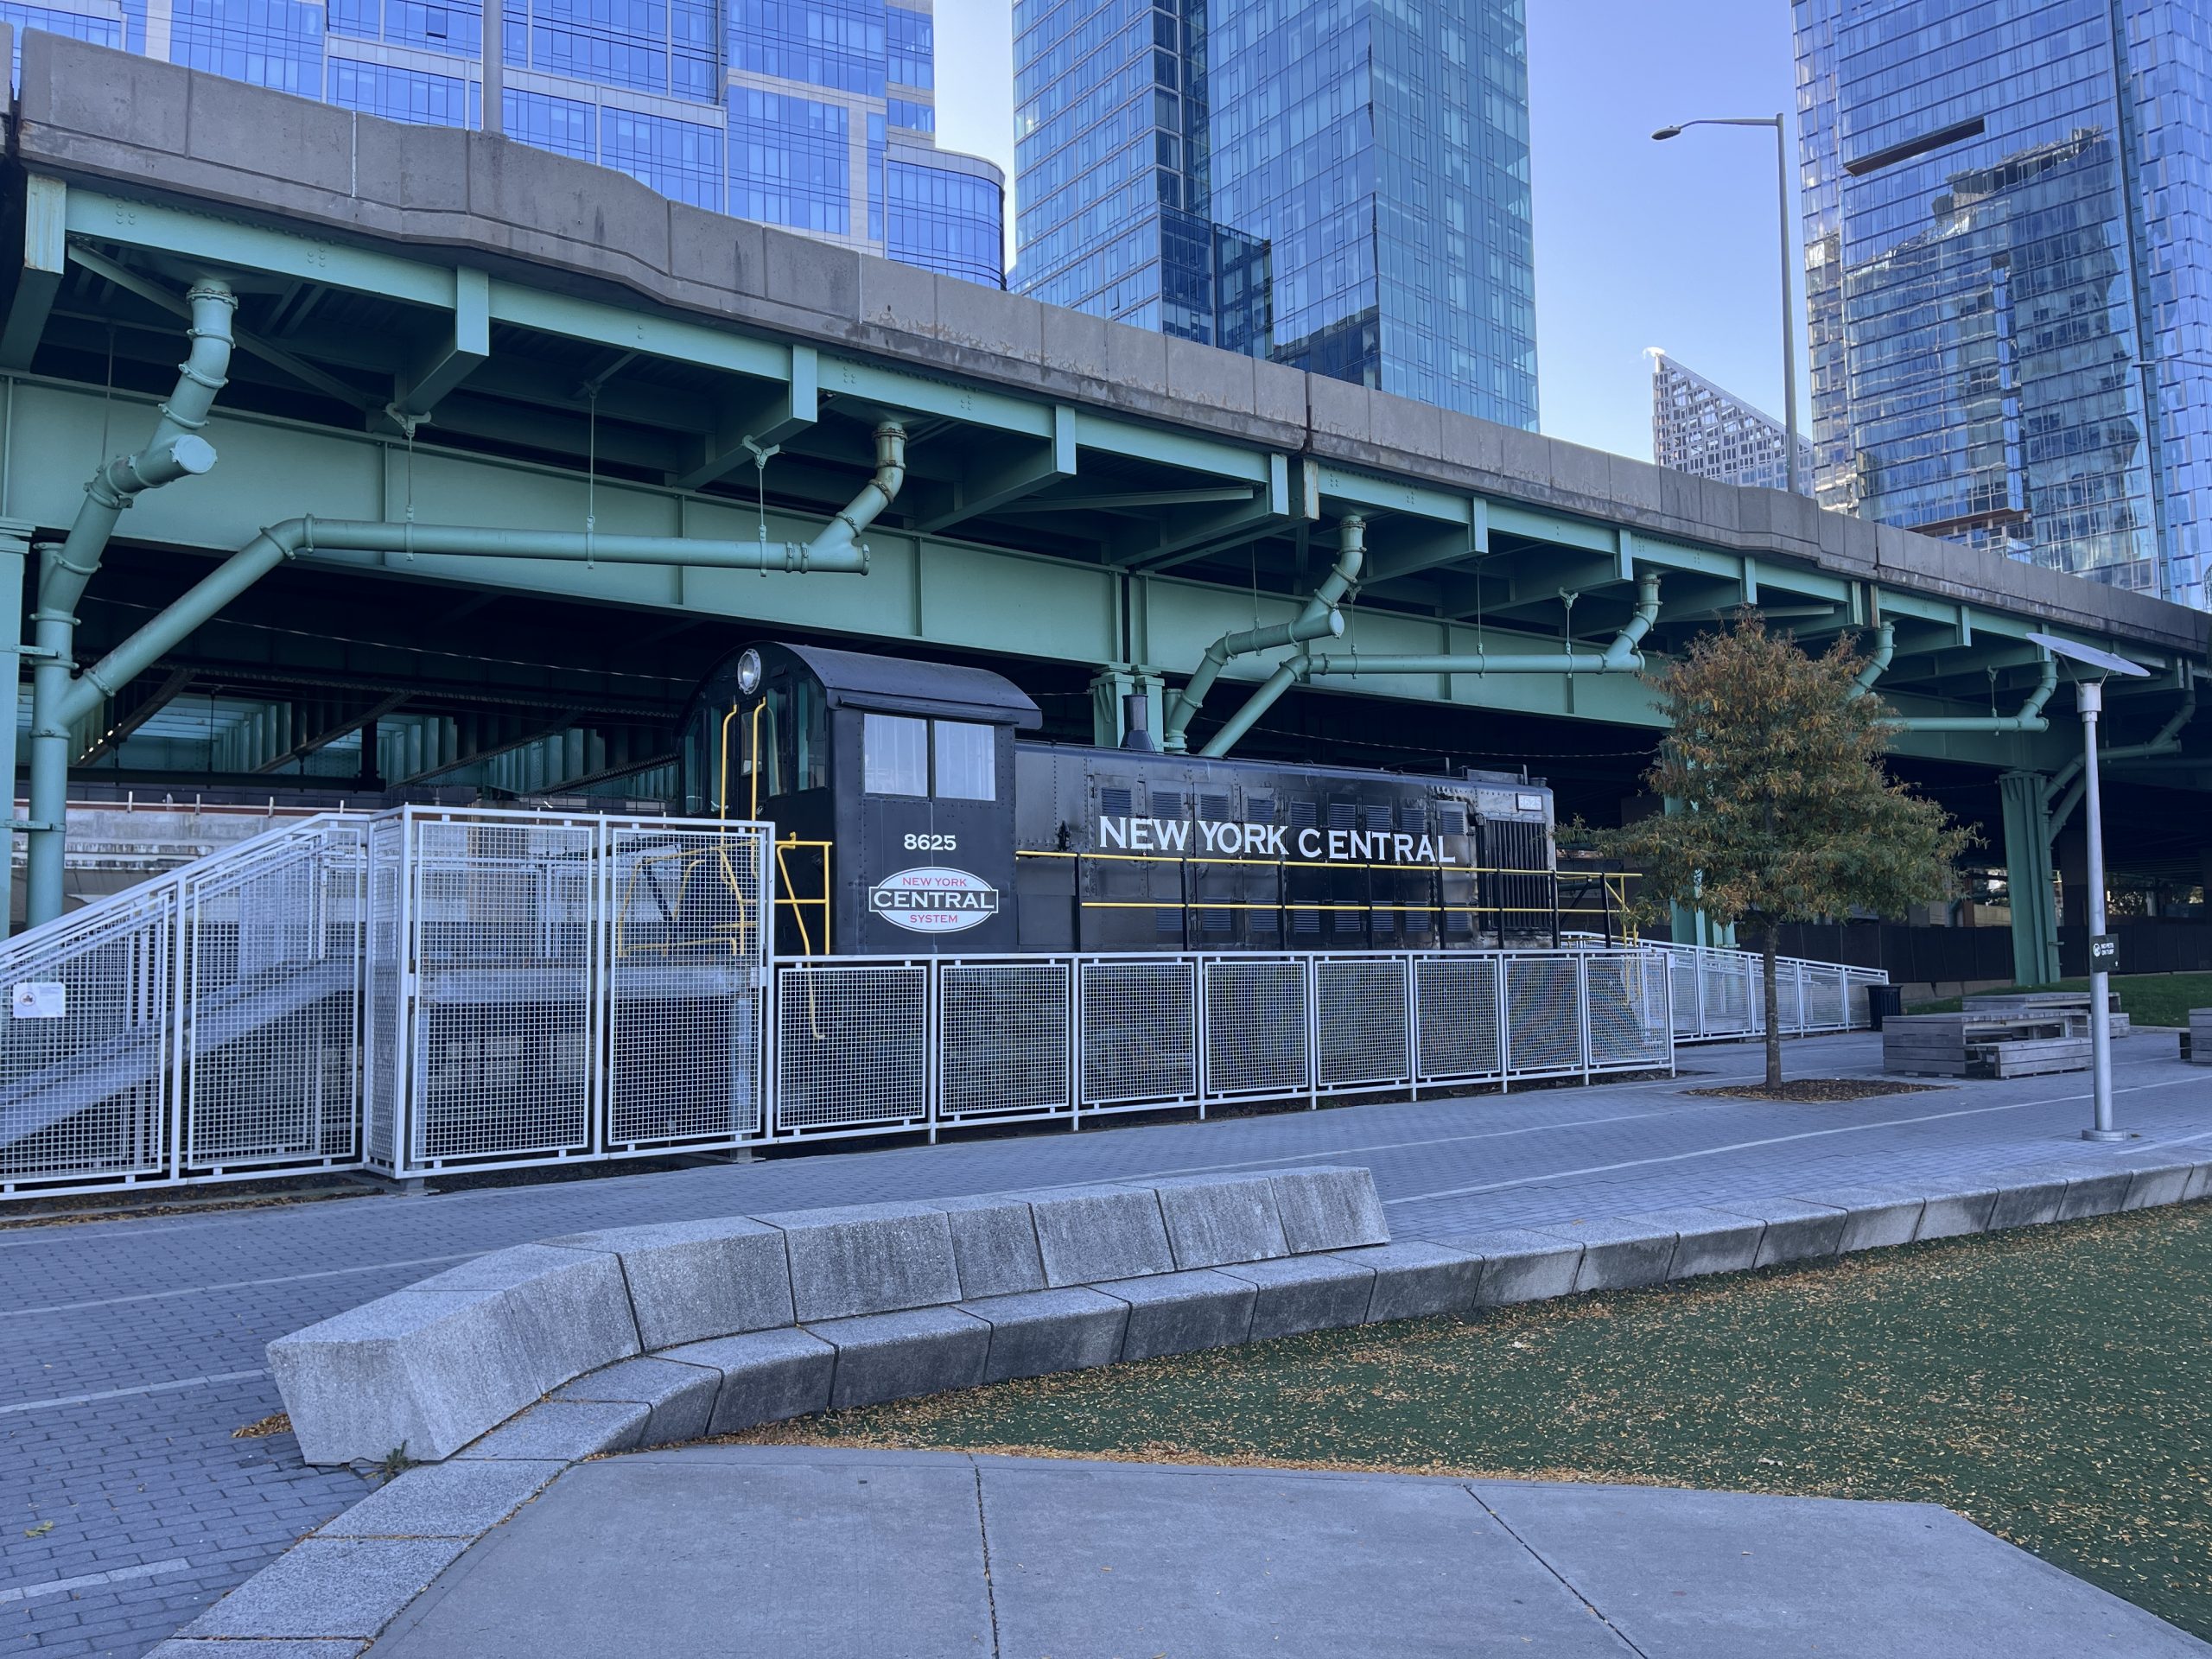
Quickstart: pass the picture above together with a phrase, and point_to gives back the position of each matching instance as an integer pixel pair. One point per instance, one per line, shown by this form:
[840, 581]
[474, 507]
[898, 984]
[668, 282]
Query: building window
[967, 757]
[894, 754]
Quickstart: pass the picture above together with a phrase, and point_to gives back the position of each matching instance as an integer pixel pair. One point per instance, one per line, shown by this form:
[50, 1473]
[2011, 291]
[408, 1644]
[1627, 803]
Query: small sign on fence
[39, 999]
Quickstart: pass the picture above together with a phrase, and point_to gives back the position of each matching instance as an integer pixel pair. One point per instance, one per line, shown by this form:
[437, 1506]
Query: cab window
[894, 754]
[967, 760]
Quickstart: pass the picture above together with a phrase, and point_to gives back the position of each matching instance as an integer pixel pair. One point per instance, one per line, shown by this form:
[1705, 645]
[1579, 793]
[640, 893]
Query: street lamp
[2089, 694]
[1796, 472]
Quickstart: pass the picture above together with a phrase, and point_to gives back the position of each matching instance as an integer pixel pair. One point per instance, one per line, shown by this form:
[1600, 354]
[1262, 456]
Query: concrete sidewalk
[857, 1554]
[129, 1350]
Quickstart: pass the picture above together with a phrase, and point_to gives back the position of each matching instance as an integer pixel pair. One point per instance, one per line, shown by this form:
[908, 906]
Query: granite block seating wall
[641, 1335]
[646, 1335]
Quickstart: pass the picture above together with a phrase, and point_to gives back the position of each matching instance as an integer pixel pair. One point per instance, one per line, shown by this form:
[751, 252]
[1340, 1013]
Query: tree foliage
[1780, 808]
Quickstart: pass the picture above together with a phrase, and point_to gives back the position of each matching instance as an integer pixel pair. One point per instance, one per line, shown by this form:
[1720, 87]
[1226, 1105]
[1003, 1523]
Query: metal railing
[437, 989]
[1718, 996]
[879, 1045]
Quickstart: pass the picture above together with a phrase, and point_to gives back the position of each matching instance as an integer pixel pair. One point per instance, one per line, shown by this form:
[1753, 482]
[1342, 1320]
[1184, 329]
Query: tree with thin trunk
[1780, 810]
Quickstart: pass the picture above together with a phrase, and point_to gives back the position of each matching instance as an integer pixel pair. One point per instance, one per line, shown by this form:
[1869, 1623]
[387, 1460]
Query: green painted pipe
[2168, 741]
[1621, 657]
[837, 548]
[1877, 662]
[2029, 719]
[1318, 619]
[175, 450]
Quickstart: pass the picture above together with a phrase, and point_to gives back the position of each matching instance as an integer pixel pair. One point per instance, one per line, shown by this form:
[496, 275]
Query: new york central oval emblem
[933, 899]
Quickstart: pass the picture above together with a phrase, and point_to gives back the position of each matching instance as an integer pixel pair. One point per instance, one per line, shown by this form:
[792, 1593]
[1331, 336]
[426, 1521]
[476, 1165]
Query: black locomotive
[911, 820]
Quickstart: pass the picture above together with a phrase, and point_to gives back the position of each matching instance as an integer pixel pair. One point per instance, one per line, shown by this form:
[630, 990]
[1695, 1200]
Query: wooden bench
[2196, 1044]
[2072, 1007]
[1986, 1045]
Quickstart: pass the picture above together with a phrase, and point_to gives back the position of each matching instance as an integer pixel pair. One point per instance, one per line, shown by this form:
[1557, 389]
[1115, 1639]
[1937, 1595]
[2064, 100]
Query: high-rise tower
[2008, 213]
[1336, 184]
[814, 114]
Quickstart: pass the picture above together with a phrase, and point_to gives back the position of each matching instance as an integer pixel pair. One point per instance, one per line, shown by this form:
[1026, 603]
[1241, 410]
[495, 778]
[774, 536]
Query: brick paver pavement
[130, 1348]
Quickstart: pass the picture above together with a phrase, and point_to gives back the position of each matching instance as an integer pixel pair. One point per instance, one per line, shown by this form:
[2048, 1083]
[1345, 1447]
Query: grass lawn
[2146, 998]
[2054, 1384]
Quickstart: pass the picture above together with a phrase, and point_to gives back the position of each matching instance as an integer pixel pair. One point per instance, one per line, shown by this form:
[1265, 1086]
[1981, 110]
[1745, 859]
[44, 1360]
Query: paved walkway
[844, 1554]
[129, 1350]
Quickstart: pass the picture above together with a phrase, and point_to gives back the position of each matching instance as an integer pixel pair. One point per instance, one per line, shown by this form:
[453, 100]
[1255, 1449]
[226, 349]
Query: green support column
[2028, 873]
[15, 543]
[1113, 682]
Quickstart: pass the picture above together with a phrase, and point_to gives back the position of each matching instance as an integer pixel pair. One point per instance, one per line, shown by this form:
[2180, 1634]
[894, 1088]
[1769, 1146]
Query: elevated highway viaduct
[438, 328]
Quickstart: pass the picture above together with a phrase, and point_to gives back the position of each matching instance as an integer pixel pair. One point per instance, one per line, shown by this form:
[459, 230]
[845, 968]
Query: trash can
[1882, 1001]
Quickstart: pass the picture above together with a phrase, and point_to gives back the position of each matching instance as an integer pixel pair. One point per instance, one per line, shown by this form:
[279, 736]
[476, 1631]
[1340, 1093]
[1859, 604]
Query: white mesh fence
[1718, 994]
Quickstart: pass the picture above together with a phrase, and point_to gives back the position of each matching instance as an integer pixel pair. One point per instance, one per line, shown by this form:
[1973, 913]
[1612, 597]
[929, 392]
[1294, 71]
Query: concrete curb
[335, 1591]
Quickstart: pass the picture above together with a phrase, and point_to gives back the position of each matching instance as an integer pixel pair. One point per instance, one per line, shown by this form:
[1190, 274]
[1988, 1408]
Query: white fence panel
[1544, 1016]
[852, 1047]
[690, 925]
[1361, 1020]
[1257, 1027]
[1006, 1036]
[1460, 1018]
[1137, 1030]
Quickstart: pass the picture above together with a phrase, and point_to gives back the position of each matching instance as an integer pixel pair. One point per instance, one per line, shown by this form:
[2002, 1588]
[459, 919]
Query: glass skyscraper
[1342, 185]
[1698, 427]
[814, 114]
[2008, 215]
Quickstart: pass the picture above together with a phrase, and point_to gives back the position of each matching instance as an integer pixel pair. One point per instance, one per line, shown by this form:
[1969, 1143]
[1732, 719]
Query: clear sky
[1637, 244]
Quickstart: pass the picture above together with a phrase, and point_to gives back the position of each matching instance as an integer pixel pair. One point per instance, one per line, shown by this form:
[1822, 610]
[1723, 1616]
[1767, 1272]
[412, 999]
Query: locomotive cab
[891, 786]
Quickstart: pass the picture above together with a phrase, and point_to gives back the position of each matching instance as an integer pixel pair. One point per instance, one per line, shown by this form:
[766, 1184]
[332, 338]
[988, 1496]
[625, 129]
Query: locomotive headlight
[748, 673]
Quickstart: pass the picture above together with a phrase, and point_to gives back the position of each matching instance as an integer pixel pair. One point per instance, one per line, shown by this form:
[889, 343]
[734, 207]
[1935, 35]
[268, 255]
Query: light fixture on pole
[1793, 469]
[2104, 948]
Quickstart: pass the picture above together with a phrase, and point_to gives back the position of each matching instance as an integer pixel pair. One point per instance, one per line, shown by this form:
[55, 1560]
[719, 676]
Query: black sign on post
[2104, 953]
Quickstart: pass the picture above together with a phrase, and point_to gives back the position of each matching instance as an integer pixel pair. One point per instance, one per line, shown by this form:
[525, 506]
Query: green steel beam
[1347, 491]
[1187, 536]
[568, 317]
[457, 353]
[1395, 554]
[39, 270]
[996, 481]
[1514, 519]
[1167, 447]
[276, 356]
[767, 416]
[895, 392]
[126, 714]
[226, 243]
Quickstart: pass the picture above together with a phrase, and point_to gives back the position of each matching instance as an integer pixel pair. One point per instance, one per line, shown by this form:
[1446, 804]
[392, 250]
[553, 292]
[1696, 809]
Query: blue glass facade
[1342, 185]
[793, 111]
[2007, 224]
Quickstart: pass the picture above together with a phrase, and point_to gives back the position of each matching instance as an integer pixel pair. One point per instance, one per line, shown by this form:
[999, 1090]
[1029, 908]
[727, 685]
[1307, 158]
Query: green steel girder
[140, 702]
[458, 351]
[228, 243]
[494, 358]
[39, 244]
[997, 481]
[749, 423]
[1183, 536]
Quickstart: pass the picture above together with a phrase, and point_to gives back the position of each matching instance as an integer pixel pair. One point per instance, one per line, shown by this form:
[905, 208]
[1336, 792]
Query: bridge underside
[1084, 505]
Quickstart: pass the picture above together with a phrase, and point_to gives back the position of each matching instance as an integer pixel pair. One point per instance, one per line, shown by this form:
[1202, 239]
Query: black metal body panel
[1103, 849]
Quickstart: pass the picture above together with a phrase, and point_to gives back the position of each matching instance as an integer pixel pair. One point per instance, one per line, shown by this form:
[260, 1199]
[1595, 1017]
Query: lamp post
[2104, 951]
[1795, 469]
[2090, 696]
